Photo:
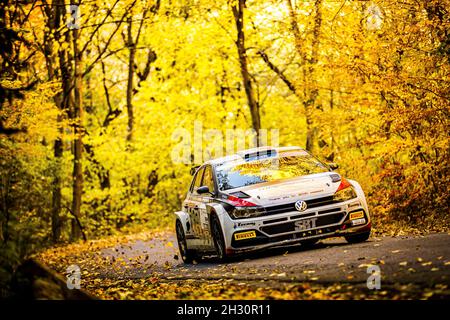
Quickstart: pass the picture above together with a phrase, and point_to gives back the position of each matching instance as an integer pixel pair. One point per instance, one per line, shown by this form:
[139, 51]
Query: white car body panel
[301, 188]
[315, 186]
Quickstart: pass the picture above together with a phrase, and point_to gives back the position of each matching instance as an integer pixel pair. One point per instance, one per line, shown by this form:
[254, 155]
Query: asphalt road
[420, 260]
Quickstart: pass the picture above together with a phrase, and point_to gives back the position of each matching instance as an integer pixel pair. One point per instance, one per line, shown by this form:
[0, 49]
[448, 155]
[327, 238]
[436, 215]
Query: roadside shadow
[272, 252]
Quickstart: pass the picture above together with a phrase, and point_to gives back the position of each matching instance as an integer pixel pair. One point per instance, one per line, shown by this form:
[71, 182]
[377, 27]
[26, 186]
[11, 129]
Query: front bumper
[292, 227]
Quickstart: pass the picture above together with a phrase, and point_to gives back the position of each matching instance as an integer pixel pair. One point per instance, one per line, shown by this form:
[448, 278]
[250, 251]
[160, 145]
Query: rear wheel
[219, 241]
[356, 238]
[187, 255]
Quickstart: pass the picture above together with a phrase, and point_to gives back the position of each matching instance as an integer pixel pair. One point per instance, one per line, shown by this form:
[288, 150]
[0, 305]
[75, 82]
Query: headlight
[345, 191]
[344, 194]
[246, 212]
[240, 208]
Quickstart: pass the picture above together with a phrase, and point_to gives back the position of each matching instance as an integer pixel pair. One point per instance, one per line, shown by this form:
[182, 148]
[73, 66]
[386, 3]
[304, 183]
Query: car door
[195, 200]
[205, 199]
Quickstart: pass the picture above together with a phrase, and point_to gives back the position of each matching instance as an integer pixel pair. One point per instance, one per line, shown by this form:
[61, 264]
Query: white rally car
[266, 197]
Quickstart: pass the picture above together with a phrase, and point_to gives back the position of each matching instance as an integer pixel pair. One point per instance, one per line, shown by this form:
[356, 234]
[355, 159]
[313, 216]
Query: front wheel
[187, 255]
[219, 241]
[356, 238]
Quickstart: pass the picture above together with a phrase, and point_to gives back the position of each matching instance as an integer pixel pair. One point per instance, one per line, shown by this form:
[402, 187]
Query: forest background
[91, 93]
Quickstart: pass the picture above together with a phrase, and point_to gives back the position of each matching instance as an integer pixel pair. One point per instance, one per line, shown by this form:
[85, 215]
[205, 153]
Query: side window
[198, 180]
[191, 188]
[208, 179]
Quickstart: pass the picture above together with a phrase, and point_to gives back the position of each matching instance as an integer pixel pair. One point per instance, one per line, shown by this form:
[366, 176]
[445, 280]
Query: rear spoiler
[194, 169]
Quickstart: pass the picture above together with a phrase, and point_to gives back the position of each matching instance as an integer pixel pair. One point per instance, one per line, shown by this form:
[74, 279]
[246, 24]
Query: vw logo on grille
[301, 205]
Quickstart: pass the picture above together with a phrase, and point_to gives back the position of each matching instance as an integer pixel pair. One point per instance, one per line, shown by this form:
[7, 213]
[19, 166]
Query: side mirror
[203, 190]
[333, 166]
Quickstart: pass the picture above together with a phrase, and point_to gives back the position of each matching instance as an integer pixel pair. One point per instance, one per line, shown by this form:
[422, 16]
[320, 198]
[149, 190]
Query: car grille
[261, 239]
[288, 207]
[300, 235]
[290, 226]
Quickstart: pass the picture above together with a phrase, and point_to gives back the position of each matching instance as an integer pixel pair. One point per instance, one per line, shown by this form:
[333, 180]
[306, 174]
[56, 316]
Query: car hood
[291, 190]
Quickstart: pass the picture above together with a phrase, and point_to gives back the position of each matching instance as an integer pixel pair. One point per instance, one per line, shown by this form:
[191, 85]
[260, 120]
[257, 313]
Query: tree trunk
[313, 91]
[55, 13]
[311, 88]
[238, 12]
[131, 58]
[56, 193]
[77, 143]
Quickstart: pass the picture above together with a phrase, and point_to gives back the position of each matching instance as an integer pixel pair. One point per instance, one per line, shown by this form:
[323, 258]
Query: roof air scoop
[260, 154]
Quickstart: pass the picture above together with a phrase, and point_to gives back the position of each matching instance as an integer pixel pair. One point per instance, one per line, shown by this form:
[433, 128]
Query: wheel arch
[183, 217]
[361, 195]
[217, 211]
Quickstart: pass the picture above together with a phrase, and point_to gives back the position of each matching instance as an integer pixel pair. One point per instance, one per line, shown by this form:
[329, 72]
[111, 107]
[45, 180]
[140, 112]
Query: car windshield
[240, 173]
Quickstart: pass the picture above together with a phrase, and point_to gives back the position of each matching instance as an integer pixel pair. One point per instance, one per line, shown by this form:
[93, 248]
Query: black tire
[187, 255]
[309, 243]
[356, 238]
[219, 241]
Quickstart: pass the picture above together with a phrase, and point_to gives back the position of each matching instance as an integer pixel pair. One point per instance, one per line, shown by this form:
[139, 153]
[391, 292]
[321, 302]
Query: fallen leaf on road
[435, 269]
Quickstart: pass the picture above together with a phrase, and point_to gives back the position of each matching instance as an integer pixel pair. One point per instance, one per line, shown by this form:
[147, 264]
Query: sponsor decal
[246, 224]
[356, 215]
[245, 235]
